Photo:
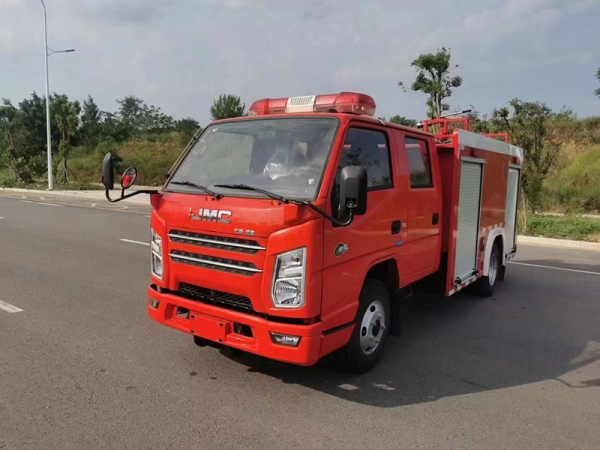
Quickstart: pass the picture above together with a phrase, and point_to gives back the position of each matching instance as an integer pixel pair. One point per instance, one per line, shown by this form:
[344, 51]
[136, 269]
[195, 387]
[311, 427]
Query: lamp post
[47, 52]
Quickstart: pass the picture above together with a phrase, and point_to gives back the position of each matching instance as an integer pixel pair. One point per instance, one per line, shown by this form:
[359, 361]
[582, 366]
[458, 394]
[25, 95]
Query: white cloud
[9, 3]
[511, 18]
[578, 6]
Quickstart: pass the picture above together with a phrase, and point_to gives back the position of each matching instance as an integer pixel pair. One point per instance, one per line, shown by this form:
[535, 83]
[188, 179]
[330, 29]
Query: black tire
[374, 299]
[487, 284]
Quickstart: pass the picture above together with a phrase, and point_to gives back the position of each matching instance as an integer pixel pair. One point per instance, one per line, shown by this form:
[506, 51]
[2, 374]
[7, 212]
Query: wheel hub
[493, 270]
[372, 327]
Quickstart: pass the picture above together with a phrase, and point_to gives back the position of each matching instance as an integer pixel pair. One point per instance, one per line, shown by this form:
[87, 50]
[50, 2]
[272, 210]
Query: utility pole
[47, 52]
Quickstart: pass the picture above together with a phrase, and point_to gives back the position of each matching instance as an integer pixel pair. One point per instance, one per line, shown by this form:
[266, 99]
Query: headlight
[288, 279]
[157, 255]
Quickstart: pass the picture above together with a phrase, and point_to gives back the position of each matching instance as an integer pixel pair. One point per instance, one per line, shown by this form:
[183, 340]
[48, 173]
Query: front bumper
[217, 325]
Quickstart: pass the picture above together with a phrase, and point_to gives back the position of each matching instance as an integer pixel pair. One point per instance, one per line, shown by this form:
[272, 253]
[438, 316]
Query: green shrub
[569, 227]
[576, 188]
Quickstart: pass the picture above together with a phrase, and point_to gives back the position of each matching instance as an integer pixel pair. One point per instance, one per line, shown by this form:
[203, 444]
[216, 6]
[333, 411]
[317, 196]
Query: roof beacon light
[344, 102]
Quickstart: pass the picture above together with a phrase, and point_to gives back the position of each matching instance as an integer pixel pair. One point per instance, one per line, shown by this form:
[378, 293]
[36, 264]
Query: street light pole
[48, 130]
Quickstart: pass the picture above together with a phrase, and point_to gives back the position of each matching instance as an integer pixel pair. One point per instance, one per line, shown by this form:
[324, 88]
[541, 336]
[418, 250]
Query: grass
[59, 184]
[152, 157]
[574, 186]
[568, 227]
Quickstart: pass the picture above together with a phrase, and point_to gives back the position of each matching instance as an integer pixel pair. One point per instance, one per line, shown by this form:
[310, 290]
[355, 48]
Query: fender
[491, 237]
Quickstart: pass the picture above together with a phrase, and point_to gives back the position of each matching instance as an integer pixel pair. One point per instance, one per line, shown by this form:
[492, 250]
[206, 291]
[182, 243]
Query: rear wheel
[487, 284]
[372, 324]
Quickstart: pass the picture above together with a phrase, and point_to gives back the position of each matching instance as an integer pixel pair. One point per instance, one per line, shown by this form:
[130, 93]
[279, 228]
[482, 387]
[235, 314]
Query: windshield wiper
[197, 186]
[245, 187]
[282, 199]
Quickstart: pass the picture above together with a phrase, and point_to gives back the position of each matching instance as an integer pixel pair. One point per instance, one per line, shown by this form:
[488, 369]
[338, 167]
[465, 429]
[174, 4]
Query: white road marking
[135, 242]
[41, 203]
[9, 308]
[554, 268]
[385, 387]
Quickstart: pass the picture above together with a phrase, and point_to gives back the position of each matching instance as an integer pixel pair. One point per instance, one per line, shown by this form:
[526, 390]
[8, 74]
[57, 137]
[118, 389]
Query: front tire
[372, 325]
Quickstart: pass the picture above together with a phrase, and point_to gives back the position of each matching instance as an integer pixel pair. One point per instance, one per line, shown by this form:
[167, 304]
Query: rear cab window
[419, 162]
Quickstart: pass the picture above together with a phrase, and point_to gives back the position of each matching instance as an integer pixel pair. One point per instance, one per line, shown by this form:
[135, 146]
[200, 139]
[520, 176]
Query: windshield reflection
[285, 156]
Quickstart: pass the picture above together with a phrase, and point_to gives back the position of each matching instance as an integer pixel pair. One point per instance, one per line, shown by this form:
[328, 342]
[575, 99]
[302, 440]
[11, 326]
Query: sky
[180, 55]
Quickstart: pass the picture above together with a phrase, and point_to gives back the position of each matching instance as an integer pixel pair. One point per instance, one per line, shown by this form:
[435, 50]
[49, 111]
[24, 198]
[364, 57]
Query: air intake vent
[214, 263]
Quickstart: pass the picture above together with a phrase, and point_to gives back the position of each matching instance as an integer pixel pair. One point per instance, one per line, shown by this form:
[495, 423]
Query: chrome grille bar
[215, 262]
[214, 241]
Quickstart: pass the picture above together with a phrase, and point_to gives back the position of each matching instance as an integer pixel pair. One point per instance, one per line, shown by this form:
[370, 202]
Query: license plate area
[208, 327]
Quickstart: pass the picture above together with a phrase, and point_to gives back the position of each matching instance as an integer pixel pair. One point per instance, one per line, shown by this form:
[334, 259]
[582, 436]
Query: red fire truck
[296, 230]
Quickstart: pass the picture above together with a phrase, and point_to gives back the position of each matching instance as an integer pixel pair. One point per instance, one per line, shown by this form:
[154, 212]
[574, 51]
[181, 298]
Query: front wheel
[372, 324]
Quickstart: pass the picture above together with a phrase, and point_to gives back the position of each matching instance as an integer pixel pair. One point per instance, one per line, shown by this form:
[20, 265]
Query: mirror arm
[327, 216]
[123, 196]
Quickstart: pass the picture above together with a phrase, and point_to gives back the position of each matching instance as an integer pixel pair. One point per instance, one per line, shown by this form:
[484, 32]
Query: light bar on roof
[344, 102]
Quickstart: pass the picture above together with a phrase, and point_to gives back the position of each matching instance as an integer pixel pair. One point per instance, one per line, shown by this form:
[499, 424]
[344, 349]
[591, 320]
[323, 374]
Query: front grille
[216, 242]
[217, 298]
[214, 263]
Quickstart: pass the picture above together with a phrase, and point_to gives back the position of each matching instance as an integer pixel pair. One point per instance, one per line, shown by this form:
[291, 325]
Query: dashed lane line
[555, 268]
[7, 307]
[42, 203]
[135, 242]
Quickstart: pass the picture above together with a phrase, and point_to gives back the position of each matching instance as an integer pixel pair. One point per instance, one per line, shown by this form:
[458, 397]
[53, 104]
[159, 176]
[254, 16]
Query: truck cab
[289, 233]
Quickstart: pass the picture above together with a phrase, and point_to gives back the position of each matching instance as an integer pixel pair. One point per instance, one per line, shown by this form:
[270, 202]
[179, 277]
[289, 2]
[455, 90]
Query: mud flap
[395, 328]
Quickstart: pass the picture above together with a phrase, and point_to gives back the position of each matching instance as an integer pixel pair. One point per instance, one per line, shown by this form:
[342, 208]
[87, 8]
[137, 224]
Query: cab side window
[419, 162]
[369, 149]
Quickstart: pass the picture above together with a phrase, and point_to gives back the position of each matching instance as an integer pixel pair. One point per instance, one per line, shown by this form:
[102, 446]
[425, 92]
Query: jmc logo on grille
[212, 215]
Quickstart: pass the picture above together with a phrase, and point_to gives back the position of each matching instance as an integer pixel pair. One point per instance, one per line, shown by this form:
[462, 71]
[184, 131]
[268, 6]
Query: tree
[23, 160]
[187, 126]
[91, 123]
[597, 91]
[434, 79]
[33, 117]
[401, 120]
[529, 125]
[227, 106]
[66, 113]
[137, 117]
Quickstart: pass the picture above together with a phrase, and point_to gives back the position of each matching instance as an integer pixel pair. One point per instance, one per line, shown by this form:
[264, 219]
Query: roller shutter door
[469, 206]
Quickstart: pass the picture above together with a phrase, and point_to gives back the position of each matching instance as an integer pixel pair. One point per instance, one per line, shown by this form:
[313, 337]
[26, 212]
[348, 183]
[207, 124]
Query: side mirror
[353, 190]
[129, 177]
[108, 173]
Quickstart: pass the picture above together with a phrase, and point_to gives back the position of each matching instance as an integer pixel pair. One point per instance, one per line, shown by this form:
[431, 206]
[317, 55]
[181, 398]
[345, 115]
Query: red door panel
[350, 251]
[424, 206]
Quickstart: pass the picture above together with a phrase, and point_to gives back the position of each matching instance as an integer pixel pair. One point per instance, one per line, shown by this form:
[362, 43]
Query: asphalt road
[82, 367]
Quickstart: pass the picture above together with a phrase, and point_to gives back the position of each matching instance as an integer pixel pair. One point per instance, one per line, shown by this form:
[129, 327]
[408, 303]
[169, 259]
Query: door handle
[435, 219]
[396, 226]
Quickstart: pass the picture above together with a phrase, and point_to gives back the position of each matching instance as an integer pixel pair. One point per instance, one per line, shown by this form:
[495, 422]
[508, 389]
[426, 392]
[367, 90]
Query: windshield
[284, 156]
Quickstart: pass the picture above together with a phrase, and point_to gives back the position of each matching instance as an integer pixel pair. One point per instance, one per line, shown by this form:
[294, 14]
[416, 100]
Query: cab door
[349, 251]
[424, 198]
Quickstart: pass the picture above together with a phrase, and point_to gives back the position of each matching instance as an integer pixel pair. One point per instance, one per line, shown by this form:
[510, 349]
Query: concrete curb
[560, 243]
[142, 199]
